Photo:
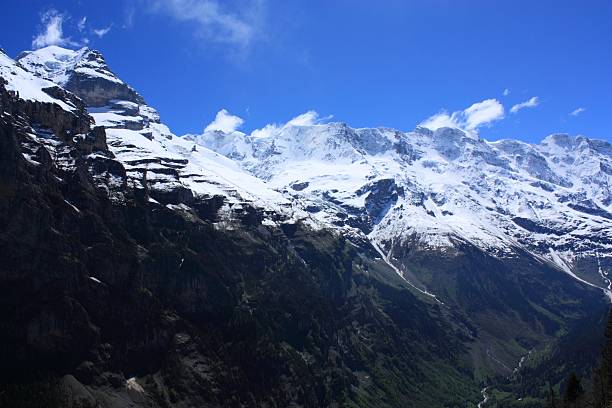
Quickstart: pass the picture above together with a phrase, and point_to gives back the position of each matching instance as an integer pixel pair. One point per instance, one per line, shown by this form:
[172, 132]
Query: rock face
[144, 269]
[171, 168]
[133, 302]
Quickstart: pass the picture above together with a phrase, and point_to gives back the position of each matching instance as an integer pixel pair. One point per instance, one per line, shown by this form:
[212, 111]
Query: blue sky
[368, 63]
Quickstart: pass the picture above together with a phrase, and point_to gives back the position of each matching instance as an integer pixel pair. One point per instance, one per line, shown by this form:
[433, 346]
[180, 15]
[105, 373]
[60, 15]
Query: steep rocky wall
[99, 92]
[116, 303]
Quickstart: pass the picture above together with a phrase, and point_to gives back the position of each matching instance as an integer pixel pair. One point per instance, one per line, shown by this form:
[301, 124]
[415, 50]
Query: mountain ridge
[439, 150]
[425, 233]
[368, 180]
[546, 198]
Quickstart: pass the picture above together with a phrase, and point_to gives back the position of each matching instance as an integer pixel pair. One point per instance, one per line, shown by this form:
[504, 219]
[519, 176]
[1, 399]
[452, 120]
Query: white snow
[448, 186]
[385, 258]
[57, 64]
[29, 86]
[72, 206]
[131, 384]
[456, 187]
[485, 397]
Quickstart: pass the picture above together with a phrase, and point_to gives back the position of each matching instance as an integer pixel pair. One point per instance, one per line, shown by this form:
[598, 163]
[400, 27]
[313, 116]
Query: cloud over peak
[53, 26]
[308, 118]
[225, 122]
[477, 115]
[228, 123]
[51, 32]
[577, 111]
[305, 119]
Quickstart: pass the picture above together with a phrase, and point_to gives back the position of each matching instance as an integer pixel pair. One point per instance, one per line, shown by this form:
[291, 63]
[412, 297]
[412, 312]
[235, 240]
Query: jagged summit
[171, 168]
[57, 64]
[83, 71]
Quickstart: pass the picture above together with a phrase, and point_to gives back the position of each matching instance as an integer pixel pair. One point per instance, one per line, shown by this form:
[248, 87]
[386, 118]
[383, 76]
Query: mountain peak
[29, 86]
[59, 64]
[562, 140]
[83, 71]
[567, 142]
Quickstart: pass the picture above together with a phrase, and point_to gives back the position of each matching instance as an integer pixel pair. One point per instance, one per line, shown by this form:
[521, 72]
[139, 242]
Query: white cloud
[225, 122]
[440, 120]
[309, 118]
[305, 119]
[266, 131]
[577, 111]
[470, 119]
[215, 21]
[506, 92]
[81, 23]
[52, 32]
[530, 103]
[101, 32]
[483, 113]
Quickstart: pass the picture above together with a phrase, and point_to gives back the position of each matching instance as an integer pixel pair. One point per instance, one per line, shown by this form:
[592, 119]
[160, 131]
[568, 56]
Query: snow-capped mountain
[30, 86]
[84, 70]
[285, 244]
[424, 188]
[435, 188]
[172, 167]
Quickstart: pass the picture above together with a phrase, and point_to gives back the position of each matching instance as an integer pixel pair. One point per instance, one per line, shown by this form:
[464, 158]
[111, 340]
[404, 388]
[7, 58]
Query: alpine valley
[306, 264]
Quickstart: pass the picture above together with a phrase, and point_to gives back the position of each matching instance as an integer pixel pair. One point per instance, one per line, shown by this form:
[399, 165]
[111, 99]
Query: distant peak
[455, 134]
[54, 51]
[450, 130]
[560, 139]
[422, 130]
[564, 141]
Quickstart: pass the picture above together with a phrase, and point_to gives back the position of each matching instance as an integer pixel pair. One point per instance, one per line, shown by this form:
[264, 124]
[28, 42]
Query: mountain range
[304, 264]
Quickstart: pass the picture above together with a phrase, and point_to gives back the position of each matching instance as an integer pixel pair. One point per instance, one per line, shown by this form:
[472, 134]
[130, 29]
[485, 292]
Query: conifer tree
[602, 377]
[573, 389]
